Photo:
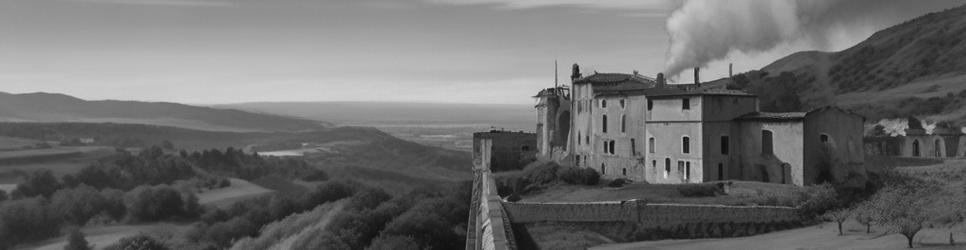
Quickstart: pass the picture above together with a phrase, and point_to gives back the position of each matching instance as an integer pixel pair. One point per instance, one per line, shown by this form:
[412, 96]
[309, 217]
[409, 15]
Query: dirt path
[324, 222]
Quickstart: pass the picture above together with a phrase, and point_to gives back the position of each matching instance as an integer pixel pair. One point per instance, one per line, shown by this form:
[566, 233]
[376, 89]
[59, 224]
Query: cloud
[599, 4]
[195, 3]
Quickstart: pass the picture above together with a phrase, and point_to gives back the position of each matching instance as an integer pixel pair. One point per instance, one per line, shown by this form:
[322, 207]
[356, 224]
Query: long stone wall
[648, 215]
[490, 228]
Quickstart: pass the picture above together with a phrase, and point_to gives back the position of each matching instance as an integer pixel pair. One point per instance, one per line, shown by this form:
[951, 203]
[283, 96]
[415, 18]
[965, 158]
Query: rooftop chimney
[697, 73]
[660, 80]
[576, 72]
[730, 68]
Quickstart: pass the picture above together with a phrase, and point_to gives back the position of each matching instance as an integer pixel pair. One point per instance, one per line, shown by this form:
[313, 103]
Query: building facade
[643, 129]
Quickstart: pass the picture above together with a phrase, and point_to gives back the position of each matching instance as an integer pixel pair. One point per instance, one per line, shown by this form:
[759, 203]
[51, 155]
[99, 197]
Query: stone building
[643, 129]
[508, 150]
[942, 141]
[553, 122]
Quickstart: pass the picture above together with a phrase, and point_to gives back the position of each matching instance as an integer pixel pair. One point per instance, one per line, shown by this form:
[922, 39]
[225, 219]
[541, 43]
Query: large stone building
[643, 129]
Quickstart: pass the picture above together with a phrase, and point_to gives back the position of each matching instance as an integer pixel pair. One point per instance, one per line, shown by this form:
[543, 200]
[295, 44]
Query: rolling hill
[46, 107]
[916, 68]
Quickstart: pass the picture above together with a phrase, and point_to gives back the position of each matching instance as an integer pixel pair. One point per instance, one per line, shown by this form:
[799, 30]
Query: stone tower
[553, 122]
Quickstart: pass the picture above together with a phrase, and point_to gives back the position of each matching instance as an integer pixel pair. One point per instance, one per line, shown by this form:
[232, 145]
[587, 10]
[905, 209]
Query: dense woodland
[158, 184]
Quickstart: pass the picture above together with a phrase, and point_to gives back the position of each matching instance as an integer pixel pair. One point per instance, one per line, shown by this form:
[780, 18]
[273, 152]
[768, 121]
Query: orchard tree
[902, 206]
[839, 217]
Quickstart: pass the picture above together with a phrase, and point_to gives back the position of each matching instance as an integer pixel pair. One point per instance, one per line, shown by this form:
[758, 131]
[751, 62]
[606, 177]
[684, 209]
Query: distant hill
[508, 115]
[914, 68]
[352, 151]
[45, 107]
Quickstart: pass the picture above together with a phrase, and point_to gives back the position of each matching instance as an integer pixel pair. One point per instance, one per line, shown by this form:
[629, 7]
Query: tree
[901, 207]
[865, 214]
[138, 242]
[839, 217]
[40, 182]
[76, 240]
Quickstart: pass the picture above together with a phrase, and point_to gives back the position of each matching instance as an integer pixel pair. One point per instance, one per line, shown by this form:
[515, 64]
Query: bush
[617, 182]
[538, 173]
[138, 242]
[818, 199]
[698, 190]
[76, 240]
[578, 176]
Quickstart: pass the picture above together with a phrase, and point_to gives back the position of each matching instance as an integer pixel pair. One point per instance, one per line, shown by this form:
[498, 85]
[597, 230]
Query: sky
[230, 51]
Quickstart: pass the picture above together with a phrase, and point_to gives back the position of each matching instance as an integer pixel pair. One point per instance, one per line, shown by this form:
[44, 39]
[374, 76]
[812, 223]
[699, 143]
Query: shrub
[698, 190]
[617, 182]
[138, 242]
[578, 176]
[76, 240]
[818, 199]
[540, 173]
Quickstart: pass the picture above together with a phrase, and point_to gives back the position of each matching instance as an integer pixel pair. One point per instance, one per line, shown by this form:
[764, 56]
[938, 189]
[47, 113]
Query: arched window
[622, 103]
[624, 171]
[766, 142]
[915, 148]
[686, 145]
[603, 103]
[623, 123]
[612, 147]
[605, 147]
[603, 122]
[650, 145]
[586, 139]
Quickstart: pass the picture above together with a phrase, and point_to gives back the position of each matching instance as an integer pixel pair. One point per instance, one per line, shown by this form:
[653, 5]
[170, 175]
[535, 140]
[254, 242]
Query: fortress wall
[647, 215]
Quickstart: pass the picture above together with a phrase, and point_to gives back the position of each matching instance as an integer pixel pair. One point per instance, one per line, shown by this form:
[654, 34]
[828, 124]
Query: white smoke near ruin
[703, 31]
[894, 127]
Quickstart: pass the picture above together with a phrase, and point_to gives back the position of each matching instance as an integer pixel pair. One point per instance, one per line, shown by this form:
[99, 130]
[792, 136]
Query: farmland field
[60, 160]
[239, 190]
[101, 237]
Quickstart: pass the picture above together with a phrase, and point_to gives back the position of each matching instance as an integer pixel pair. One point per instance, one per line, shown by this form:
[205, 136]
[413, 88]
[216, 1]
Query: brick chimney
[660, 80]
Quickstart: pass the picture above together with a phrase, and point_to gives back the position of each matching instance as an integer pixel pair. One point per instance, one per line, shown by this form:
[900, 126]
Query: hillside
[913, 68]
[45, 107]
[351, 151]
[365, 113]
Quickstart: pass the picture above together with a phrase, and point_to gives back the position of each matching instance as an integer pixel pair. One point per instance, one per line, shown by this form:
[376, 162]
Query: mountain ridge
[56, 107]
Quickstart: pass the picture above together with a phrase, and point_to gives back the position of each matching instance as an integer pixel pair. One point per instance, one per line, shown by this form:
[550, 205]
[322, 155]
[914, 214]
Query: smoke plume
[702, 31]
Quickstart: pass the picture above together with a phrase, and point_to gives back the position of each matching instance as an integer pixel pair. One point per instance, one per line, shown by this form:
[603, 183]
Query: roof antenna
[555, 75]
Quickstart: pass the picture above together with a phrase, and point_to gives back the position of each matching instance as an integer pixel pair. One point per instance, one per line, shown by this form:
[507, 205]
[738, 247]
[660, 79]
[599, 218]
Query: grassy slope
[921, 58]
[238, 191]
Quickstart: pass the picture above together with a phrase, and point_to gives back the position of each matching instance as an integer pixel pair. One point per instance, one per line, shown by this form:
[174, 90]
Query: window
[686, 145]
[603, 122]
[622, 103]
[766, 142]
[650, 145]
[654, 164]
[667, 167]
[580, 107]
[603, 103]
[602, 169]
[633, 147]
[725, 143]
[525, 148]
[577, 161]
[578, 137]
[687, 170]
[611, 147]
[650, 105]
[623, 123]
[823, 138]
[586, 139]
[605, 147]
[624, 171]
[686, 104]
[915, 148]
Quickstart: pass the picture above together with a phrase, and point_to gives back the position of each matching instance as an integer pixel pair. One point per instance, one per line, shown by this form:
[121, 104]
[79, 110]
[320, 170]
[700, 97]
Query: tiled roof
[614, 78]
[690, 90]
[770, 116]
